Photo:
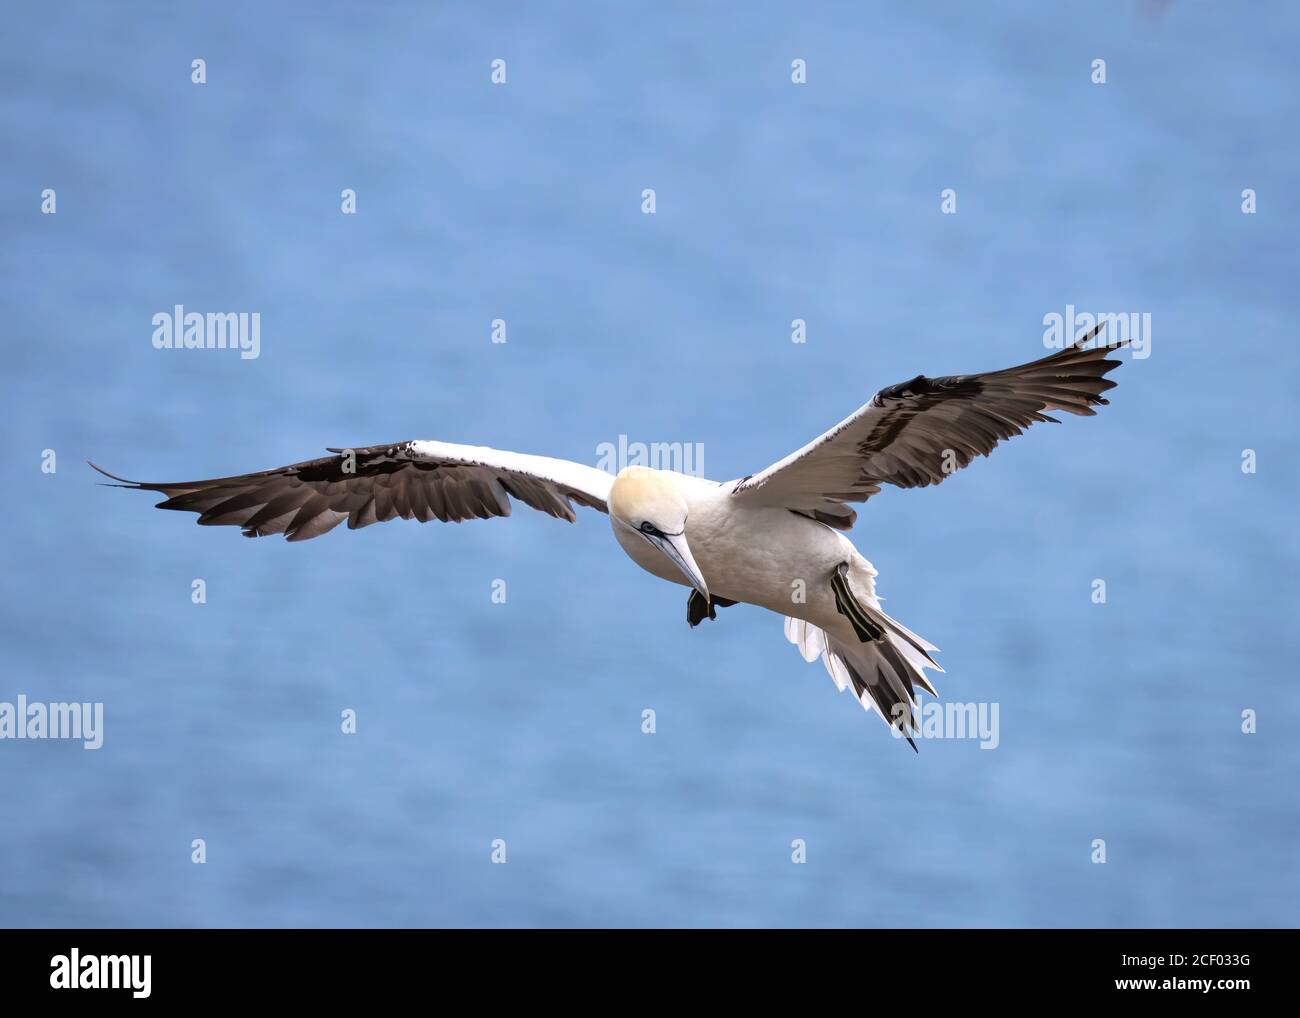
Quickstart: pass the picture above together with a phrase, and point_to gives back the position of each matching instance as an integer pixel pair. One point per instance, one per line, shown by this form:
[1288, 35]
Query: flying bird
[774, 539]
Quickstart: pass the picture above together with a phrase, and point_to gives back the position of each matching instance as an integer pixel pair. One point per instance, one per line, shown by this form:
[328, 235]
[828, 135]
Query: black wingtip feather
[125, 483]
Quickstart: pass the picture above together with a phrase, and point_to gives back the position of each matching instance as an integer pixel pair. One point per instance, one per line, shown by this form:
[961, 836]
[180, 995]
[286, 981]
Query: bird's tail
[883, 666]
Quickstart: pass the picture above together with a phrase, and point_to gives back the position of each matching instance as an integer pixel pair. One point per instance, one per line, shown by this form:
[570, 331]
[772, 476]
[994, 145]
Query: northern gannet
[773, 539]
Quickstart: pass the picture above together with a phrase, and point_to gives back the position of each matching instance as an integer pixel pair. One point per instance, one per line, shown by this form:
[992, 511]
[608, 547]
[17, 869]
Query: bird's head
[647, 502]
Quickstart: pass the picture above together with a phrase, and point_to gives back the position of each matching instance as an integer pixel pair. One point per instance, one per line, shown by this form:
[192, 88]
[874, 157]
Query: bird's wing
[917, 432]
[413, 480]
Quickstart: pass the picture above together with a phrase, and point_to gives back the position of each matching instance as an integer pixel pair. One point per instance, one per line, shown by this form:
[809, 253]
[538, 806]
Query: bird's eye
[649, 528]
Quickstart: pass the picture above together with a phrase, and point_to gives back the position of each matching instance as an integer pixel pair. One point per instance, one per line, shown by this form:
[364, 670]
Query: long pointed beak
[676, 548]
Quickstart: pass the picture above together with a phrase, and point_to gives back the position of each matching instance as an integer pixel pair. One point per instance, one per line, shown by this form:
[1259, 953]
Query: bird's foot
[697, 609]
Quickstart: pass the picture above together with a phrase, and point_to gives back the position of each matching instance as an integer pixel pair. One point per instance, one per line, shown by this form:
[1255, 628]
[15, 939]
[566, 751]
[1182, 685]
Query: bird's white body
[772, 539]
[738, 550]
[756, 554]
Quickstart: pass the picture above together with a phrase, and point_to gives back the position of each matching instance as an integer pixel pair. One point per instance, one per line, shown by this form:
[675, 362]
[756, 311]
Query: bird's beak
[676, 548]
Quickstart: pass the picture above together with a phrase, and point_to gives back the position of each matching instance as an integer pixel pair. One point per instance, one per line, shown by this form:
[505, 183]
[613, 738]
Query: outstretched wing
[916, 433]
[413, 480]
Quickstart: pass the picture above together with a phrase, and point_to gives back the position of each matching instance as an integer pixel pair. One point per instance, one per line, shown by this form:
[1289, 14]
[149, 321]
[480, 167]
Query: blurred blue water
[522, 202]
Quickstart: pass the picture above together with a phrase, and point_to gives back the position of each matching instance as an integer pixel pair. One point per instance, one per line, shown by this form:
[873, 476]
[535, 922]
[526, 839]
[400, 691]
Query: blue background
[522, 721]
